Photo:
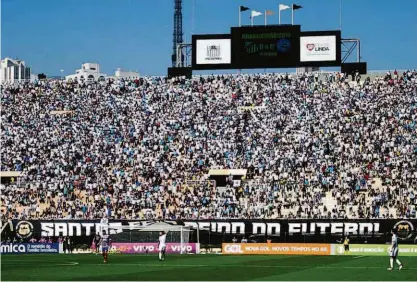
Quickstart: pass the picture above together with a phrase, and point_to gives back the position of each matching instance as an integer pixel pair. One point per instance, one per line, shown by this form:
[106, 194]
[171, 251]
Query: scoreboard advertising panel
[266, 46]
[320, 48]
[252, 47]
[211, 51]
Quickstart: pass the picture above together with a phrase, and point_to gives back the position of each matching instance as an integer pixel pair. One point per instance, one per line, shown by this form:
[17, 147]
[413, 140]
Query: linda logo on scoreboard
[318, 49]
[213, 52]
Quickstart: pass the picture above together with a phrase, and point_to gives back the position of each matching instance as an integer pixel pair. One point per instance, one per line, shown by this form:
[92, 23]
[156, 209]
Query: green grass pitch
[203, 268]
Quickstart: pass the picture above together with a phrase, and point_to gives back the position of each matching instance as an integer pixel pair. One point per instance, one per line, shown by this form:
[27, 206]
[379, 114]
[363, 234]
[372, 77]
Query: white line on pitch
[68, 263]
[249, 266]
[48, 264]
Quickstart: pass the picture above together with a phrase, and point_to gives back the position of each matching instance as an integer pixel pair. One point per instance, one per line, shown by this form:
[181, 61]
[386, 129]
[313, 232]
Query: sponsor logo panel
[375, 250]
[143, 248]
[24, 229]
[31, 248]
[404, 229]
[317, 48]
[213, 51]
[276, 249]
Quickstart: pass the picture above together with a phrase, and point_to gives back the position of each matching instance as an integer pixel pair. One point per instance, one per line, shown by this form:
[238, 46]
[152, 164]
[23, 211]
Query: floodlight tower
[177, 34]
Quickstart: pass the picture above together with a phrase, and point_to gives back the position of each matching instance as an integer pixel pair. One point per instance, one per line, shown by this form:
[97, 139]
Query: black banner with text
[215, 232]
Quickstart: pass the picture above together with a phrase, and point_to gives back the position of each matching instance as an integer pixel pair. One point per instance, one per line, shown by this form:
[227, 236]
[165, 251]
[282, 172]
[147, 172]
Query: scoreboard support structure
[183, 61]
[348, 46]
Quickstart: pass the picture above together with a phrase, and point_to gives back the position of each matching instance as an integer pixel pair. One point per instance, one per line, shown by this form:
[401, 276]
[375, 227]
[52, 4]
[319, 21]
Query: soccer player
[97, 240]
[104, 220]
[105, 245]
[104, 223]
[394, 251]
[346, 244]
[162, 245]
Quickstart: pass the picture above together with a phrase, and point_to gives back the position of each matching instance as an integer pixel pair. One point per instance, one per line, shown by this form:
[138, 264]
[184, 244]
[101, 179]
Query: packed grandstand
[314, 147]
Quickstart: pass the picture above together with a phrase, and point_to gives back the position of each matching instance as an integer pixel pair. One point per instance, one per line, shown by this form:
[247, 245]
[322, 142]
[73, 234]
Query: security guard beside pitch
[346, 244]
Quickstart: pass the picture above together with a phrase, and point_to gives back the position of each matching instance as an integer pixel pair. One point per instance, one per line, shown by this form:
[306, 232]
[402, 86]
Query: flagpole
[193, 20]
[251, 19]
[239, 16]
[279, 16]
[340, 14]
[292, 14]
[265, 17]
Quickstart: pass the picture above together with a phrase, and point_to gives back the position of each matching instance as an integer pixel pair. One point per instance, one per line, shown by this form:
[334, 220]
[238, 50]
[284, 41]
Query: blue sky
[51, 35]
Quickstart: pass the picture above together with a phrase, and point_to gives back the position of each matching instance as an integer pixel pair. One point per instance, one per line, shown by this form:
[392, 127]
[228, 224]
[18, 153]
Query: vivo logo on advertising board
[136, 248]
[12, 248]
[178, 248]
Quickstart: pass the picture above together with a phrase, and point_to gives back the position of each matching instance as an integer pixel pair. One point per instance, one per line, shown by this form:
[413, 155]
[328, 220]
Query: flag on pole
[296, 7]
[283, 7]
[255, 14]
[242, 9]
[268, 13]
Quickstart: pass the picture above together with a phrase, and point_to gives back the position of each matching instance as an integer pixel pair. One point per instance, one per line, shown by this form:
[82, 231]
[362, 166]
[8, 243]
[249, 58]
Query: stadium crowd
[142, 148]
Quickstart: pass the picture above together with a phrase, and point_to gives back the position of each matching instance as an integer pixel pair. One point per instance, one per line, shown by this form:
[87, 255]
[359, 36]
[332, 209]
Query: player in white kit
[104, 224]
[162, 245]
[394, 251]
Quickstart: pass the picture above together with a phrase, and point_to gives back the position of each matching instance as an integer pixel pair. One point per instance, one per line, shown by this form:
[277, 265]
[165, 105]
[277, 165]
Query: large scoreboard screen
[266, 46]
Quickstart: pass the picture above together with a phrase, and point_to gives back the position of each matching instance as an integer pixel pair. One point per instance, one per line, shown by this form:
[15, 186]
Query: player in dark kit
[97, 240]
[105, 245]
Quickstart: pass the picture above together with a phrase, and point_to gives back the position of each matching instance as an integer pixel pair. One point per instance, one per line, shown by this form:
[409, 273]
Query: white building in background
[88, 72]
[91, 72]
[126, 74]
[14, 70]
